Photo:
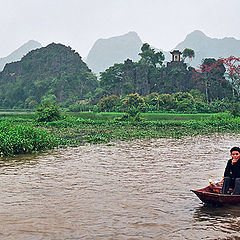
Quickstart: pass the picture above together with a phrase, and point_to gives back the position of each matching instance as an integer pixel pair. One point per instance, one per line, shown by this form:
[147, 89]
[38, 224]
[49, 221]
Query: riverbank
[21, 134]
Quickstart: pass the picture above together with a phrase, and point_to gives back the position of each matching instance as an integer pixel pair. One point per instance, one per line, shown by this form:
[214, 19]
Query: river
[125, 190]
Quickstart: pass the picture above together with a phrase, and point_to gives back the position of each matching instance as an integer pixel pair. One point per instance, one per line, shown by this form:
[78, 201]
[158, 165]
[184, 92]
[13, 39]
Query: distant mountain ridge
[107, 52]
[19, 53]
[206, 47]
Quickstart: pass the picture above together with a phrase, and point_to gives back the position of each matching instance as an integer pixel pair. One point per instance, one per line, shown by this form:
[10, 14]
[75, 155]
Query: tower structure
[176, 55]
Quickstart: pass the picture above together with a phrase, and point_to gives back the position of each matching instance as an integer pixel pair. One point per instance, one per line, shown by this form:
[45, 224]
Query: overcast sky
[79, 23]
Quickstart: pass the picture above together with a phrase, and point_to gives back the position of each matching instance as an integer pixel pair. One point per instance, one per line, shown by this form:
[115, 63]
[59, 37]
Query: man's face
[235, 156]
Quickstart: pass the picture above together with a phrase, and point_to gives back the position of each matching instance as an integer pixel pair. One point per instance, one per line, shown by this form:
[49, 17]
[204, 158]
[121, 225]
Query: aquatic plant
[21, 135]
[47, 111]
[22, 138]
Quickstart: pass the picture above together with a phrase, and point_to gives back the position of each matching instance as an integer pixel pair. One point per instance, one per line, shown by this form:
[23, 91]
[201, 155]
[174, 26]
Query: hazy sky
[79, 23]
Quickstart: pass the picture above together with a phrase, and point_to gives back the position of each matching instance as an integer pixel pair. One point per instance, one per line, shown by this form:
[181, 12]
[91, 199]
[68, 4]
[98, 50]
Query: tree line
[150, 74]
[175, 87]
[57, 73]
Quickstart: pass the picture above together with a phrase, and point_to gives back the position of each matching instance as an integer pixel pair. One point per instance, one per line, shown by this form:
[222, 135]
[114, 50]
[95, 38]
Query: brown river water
[126, 190]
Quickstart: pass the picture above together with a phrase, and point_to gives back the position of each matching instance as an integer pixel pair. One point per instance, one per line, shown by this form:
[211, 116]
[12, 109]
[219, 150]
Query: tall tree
[210, 73]
[232, 65]
[111, 80]
[150, 57]
[188, 53]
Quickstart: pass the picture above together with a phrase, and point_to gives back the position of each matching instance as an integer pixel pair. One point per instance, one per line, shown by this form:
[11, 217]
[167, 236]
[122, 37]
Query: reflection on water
[219, 220]
[131, 190]
[9, 162]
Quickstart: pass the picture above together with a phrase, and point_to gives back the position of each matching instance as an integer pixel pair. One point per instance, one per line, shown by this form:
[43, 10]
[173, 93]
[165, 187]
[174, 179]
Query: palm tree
[188, 53]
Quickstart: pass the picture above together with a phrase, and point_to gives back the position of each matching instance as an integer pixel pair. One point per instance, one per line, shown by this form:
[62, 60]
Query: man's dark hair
[235, 149]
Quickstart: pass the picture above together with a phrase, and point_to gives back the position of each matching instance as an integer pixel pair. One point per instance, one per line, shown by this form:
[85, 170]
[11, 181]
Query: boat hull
[212, 195]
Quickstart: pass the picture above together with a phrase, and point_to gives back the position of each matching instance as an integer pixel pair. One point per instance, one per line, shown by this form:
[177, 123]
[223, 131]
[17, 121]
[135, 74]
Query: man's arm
[227, 169]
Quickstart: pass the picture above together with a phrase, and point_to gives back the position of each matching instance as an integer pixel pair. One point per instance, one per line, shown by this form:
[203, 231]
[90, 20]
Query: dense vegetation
[17, 138]
[138, 92]
[21, 134]
[180, 102]
[56, 71]
[151, 75]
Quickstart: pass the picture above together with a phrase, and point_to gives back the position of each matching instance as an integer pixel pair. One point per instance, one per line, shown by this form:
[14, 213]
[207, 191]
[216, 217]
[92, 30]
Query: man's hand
[222, 180]
[234, 161]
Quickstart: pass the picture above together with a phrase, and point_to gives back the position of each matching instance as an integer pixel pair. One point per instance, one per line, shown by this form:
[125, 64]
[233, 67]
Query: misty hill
[107, 52]
[206, 47]
[54, 70]
[19, 53]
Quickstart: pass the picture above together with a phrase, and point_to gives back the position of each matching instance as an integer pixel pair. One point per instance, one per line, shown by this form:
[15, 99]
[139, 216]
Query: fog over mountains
[19, 53]
[206, 47]
[107, 52]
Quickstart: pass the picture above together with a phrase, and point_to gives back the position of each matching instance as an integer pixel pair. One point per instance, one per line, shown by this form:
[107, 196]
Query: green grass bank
[22, 134]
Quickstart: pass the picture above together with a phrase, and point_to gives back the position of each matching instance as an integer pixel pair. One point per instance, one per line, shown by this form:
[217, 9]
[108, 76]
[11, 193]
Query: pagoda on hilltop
[176, 55]
[176, 60]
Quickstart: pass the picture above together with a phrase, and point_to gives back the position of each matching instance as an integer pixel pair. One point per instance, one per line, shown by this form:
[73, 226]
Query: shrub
[80, 107]
[47, 112]
[166, 102]
[201, 107]
[186, 105]
[235, 109]
[109, 103]
[133, 105]
[22, 138]
[133, 100]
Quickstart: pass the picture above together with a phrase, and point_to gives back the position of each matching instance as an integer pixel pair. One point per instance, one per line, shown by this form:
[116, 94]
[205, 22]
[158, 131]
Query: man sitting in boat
[232, 173]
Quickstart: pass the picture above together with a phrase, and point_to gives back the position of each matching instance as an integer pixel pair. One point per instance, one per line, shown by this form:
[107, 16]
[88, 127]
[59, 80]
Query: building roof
[176, 52]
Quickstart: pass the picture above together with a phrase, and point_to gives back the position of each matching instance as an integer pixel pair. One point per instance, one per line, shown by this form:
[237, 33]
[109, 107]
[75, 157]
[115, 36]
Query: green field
[147, 116]
[22, 134]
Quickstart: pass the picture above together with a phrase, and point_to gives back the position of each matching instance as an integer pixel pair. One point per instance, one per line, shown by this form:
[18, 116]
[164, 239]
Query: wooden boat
[212, 195]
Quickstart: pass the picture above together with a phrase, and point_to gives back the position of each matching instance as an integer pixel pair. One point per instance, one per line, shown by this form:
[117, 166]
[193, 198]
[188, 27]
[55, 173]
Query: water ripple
[129, 190]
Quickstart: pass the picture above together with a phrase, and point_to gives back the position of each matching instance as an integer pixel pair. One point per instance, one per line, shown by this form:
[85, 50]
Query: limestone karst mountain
[19, 53]
[54, 70]
[106, 52]
[206, 47]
